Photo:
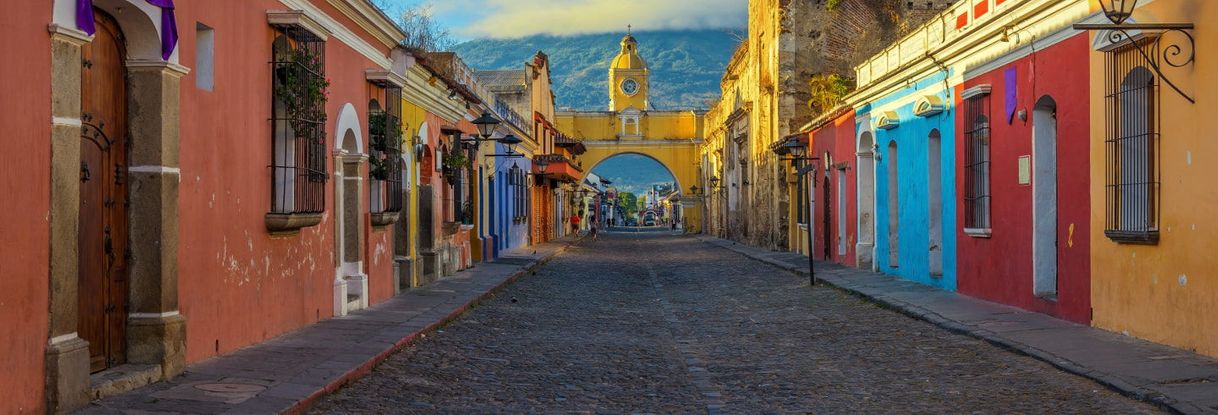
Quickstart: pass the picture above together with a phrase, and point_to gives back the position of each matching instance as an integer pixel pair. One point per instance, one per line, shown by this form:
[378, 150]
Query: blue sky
[633, 173]
[469, 19]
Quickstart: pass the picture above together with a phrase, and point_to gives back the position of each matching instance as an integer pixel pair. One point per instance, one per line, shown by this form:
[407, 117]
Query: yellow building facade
[630, 126]
[1153, 269]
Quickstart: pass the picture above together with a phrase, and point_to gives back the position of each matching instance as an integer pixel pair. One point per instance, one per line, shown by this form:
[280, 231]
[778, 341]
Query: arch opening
[646, 190]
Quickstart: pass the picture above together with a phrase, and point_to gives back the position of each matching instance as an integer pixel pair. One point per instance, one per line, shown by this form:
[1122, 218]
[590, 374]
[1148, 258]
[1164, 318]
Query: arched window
[1132, 147]
[385, 164]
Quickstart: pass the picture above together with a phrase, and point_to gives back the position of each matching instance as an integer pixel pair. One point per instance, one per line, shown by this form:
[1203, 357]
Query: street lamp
[486, 124]
[1118, 11]
[1174, 52]
[798, 152]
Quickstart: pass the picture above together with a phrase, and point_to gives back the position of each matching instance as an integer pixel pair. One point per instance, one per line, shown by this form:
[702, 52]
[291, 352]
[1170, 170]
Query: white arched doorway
[865, 247]
[1044, 197]
[350, 280]
[934, 203]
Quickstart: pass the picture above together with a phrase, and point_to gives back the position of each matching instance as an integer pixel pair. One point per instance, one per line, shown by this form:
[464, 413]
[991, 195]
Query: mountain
[685, 65]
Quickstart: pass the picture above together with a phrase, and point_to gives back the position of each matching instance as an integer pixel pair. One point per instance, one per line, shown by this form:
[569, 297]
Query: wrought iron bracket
[1174, 53]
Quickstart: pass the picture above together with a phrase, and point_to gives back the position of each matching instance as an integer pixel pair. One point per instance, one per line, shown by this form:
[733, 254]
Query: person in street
[592, 230]
[575, 225]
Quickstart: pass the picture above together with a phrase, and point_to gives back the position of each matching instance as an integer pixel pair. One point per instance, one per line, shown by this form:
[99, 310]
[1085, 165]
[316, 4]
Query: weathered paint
[25, 109]
[1167, 292]
[913, 204]
[240, 285]
[1000, 267]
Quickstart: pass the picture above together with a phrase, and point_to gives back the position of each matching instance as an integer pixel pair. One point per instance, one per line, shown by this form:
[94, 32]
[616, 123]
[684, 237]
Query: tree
[422, 32]
[629, 203]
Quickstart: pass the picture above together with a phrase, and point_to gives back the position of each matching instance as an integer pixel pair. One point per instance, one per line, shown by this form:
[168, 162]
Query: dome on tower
[629, 58]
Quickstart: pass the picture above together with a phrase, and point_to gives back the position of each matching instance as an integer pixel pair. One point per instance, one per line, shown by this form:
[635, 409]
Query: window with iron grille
[385, 163]
[462, 203]
[977, 163]
[1131, 145]
[298, 121]
[516, 180]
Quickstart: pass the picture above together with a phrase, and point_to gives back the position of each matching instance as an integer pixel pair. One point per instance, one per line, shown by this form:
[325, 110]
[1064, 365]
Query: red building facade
[1029, 120]
[834, 200]
[170, 204]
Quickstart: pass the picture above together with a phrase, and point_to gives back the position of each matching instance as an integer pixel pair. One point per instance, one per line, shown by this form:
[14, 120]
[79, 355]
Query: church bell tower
[628, 78]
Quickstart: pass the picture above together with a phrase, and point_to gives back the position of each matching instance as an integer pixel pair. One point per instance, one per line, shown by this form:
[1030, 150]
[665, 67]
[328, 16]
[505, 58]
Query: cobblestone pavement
[664, 324]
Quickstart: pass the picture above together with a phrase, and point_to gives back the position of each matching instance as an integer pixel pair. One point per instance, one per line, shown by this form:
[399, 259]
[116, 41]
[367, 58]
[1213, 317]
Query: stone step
[122, 378]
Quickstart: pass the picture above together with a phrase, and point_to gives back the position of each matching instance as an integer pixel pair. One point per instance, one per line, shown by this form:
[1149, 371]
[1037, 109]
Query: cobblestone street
[667, 324]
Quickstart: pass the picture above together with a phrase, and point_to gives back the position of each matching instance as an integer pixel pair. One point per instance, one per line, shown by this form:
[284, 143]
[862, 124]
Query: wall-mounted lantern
[1176, 52]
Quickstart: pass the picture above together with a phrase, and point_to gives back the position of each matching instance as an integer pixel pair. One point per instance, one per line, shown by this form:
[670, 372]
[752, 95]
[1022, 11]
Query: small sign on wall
[1025, 169]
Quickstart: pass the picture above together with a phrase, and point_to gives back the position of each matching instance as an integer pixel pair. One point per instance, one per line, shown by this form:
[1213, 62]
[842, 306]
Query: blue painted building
[911, 130]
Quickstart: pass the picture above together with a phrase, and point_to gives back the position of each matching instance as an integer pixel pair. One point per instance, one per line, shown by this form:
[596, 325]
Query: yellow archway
[680, 157]
[681, 160]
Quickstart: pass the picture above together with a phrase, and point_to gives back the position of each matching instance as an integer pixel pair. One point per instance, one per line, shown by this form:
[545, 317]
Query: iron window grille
[298, 120]
[977, 163]
[385, 164]
[516, 178]
[462, 203]
[1131, 145]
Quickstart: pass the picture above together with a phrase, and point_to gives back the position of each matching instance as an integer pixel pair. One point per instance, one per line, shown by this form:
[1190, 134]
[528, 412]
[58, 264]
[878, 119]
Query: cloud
[517, 18]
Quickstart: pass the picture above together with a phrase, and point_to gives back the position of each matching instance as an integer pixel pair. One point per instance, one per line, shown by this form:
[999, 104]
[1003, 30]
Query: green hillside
[685, 65]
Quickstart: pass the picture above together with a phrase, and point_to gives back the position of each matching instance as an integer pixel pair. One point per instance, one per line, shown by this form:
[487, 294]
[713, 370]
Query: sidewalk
[289, 372]
[1175, 379]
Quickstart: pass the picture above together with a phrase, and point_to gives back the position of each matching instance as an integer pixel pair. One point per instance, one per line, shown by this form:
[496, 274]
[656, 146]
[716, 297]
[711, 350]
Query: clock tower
[628, 78]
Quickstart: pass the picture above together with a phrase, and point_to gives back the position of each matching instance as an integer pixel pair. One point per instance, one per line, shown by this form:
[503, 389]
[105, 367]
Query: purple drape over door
[84, 16]
[169, 23]
[169, 27]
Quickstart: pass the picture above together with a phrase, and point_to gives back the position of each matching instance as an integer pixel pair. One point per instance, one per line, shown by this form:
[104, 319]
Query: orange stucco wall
[239, 285]
[1168, 292]
[25, 113]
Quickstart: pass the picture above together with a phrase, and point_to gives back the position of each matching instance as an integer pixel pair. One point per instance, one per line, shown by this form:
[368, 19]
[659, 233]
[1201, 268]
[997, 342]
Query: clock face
[630, 87]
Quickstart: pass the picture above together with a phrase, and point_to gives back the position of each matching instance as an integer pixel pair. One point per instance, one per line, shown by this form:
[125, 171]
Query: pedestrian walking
[575, 225]
[592, 231]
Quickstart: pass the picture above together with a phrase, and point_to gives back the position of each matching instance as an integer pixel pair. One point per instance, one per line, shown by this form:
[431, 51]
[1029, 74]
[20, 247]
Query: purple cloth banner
[169, 23]
[169, 27]
[1011, 92]
[84, 16]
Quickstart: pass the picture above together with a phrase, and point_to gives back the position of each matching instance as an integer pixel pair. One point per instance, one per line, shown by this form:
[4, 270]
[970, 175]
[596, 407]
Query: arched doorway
[894, 207]
[642, 184]
[1044, 197]
[103, 229]
[351, 283]
[866, 200]
[114, 257]
[934, 200]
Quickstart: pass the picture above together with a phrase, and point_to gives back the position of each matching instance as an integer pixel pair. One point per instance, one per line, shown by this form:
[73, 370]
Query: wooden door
[826, 220]
[103, 196]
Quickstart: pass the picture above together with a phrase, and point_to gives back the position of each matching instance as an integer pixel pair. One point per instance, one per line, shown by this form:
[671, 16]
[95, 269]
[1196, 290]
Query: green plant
[385, 138]
[832, 4]
[827, 91]
[304, 91]
[455, 160]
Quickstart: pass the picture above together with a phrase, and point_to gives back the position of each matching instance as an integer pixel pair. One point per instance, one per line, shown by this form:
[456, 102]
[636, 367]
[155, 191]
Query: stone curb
[303, 405]
[1112, 382]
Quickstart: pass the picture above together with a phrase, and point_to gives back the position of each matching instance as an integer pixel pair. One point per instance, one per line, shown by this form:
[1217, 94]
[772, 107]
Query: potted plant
[453, 161]
[304, 92]
[385, 136]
